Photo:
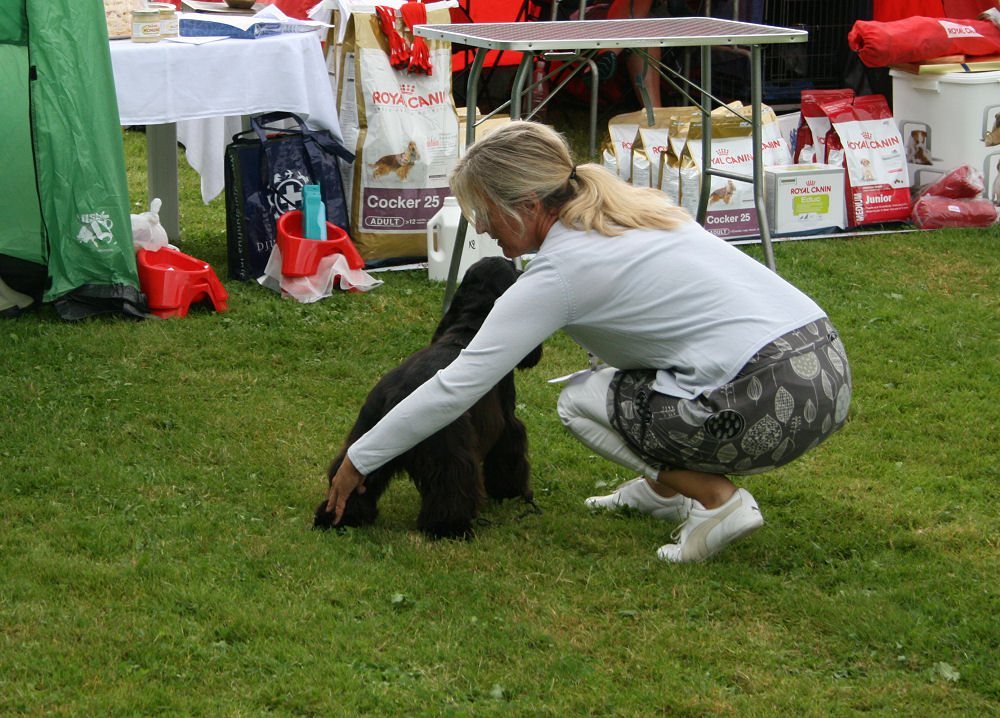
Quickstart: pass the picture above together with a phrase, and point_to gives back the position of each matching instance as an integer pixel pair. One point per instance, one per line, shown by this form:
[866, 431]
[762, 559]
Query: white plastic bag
[319, 285]
[147, 232]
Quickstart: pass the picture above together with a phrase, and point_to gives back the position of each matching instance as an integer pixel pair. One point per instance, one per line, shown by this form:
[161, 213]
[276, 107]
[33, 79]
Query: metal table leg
[471, 95]
[758, 157]
[706, 133]
[161, 174]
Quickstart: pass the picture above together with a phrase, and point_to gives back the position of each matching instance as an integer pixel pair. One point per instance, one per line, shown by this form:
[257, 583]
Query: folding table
[580, 41]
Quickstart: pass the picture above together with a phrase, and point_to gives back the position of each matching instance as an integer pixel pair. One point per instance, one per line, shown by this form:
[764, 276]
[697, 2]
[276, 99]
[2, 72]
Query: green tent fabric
[65, 235]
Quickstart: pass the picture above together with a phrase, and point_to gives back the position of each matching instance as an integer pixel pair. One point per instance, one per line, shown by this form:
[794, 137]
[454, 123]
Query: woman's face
[514, 241]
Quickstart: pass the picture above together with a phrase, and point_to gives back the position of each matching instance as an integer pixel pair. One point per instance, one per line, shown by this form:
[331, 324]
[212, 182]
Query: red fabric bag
[916, 39]
[888, 10]
[963, 182]
[930, 212]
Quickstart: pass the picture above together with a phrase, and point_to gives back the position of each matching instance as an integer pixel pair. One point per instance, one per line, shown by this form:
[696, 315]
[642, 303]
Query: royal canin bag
[403, 127]
[865, 139]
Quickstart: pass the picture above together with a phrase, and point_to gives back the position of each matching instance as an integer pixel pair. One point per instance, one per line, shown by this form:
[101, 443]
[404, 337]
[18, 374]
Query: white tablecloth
[207, 88]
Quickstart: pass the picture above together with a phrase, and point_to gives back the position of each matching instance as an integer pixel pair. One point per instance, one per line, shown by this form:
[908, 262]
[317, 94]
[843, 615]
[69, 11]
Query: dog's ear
[532, 358]
[481, 286]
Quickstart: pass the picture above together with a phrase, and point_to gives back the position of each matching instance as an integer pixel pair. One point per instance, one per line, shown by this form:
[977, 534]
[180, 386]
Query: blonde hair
[521, 162]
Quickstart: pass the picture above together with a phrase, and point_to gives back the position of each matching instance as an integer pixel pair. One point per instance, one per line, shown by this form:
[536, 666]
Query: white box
[946, 120]
[804, 198]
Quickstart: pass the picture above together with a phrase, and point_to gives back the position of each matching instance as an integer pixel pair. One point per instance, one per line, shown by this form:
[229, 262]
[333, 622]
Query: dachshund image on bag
[482, 453]
[401, 164]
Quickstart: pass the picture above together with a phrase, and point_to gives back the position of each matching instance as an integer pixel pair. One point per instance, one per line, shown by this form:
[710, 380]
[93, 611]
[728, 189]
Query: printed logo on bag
[811, 188]
[954, 29]
[869, 141]
[725, 157]
[408, 97]
[95, 229]
[288, 191]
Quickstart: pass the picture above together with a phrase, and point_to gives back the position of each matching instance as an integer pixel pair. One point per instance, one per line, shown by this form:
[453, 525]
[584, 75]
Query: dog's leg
[446, 473]
[506, 471]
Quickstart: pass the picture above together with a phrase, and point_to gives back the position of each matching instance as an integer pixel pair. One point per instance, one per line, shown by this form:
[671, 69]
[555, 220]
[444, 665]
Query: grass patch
[158, 480]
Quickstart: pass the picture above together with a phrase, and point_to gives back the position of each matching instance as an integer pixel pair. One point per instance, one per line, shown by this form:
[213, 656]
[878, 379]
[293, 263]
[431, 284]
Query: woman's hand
[346, 480]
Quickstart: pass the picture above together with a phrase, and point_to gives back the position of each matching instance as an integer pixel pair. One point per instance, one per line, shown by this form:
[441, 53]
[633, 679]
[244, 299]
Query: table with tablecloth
[199, 93]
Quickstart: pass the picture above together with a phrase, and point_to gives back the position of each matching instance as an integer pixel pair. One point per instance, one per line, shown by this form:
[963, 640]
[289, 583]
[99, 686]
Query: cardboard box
[948, 120]
[482, 129]
[802, 199]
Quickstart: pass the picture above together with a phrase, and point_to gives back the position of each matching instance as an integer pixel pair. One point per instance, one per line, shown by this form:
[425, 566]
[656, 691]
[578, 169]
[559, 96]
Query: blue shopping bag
[266, 169]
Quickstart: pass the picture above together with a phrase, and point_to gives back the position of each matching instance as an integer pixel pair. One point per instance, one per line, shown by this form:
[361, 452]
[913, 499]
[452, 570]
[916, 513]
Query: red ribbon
[399, 51]
[414, 13]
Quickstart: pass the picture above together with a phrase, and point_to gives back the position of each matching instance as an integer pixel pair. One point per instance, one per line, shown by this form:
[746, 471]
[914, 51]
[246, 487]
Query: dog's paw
[323, 519]
[460, 530]
[356, 513]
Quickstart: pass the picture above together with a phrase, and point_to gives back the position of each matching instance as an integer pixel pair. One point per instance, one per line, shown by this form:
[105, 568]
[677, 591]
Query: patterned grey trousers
[789, 397]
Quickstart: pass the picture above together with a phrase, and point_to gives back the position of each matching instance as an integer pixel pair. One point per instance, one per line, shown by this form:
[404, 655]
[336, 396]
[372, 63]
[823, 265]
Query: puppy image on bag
[916, 148]
[866, 170]
[993, 136]
[996, 187]
[401, 164]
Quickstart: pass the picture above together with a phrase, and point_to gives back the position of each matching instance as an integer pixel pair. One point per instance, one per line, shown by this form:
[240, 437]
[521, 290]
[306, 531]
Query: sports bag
[266, 168]
[917, 39]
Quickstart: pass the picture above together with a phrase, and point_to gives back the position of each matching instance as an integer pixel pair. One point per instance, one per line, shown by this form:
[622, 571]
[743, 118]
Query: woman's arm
[521, 319]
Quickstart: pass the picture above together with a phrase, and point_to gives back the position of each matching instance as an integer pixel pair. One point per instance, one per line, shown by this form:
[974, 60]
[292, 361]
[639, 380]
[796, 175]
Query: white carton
[948, 120]
[804, 198]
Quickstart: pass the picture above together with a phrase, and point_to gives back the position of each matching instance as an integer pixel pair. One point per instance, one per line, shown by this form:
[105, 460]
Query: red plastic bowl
[300, 256]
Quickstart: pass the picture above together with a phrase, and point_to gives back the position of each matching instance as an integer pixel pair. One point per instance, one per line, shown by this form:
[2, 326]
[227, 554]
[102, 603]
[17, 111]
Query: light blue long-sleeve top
[683, 302]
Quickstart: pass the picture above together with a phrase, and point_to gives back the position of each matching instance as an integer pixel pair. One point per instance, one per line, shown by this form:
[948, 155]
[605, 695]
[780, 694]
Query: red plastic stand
[300, 256]
[172, 281]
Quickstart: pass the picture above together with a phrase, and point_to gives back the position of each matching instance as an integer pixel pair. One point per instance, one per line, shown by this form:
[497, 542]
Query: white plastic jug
[441, 231]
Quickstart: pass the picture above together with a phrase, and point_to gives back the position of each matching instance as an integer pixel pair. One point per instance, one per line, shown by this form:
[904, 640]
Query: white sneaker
[707, 531]
[639, 495]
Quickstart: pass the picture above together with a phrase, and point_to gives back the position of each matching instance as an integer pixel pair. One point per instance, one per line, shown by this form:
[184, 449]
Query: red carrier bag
[930, 212]
[917, 39]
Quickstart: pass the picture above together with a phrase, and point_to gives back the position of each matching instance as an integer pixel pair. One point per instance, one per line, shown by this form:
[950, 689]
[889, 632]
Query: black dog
[483, 452]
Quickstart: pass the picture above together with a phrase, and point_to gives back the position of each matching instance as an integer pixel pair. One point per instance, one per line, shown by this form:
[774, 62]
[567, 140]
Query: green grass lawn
[157, 483]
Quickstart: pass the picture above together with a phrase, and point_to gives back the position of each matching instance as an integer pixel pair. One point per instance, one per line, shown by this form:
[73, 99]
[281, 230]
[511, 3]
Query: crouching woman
[716, 366]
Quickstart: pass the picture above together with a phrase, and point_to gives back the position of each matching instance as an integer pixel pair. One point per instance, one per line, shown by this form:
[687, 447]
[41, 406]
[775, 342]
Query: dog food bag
[814, 124]
[653, 128]
[609, 161]
[774, 146]
[623, 137]
[687, 175]
[655, 141]
[402, 124]
[670, 166]
[731, 209]
[877, 183]
[641, 167]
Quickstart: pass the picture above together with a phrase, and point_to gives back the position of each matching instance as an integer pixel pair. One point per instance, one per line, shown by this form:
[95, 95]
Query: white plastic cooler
[946, 121]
